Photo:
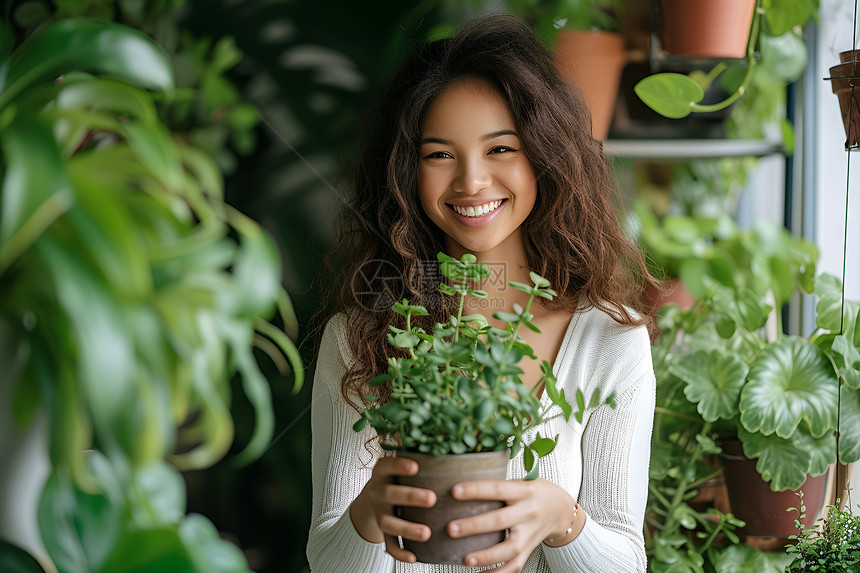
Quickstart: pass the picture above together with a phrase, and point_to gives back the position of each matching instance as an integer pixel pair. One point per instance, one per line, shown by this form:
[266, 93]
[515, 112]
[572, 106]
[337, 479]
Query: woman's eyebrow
[487, 137]
[499, 133]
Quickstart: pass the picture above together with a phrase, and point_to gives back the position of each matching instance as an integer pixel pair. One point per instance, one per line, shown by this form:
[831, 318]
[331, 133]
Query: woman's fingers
[409, 496]
[392, 547]
[501, 490]
[394, 526]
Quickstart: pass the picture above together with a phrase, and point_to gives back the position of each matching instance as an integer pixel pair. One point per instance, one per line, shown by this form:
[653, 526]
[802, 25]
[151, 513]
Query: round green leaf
[740, 559]
[669, 94]
[790, 381]
[780, 462]
[714, 382]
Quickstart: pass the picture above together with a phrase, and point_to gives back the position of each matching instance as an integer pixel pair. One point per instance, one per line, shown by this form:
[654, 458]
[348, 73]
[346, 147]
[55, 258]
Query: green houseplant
[132, 294]
[725, 370]
[675, 95]
[833, 546]
[458, 389]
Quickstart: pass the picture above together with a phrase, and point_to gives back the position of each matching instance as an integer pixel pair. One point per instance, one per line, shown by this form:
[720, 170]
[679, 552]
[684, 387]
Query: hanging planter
[844, 78]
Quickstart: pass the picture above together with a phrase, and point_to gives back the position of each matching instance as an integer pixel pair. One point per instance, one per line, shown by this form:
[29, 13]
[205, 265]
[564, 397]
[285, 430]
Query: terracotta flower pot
[845, 82]
[593, 62]
[711, 28]
[752, 500]
[441, 473]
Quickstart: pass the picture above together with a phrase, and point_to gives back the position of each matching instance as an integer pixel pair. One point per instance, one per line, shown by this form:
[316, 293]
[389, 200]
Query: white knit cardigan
[602, 462]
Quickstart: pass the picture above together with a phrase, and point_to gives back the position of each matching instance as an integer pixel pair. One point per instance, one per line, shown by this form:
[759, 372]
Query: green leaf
[849, 426]
[847, 361]
[13, 559]
[538, 280]
[103, 48]
[35, 192]
[740, 559]
[828, 289]
[783, 15]
[791, 381]
[406, 340]
[164, 552]
[780, 462]
[669, 94]
[208, 551]
[543, 446]
[714, 381]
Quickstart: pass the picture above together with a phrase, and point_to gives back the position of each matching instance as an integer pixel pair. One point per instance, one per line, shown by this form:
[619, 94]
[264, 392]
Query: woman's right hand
[372, 512]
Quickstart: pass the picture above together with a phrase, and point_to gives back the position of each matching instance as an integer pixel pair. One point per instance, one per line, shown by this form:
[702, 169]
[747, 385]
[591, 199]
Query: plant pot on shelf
[592, 61]
[845, 82]
[763, 510]
[441, 473]
[705, 28]
[673, 290]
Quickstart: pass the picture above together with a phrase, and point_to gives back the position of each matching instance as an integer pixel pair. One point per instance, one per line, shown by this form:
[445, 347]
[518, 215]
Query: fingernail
[457, 490]
[453, 529]
[471, 561]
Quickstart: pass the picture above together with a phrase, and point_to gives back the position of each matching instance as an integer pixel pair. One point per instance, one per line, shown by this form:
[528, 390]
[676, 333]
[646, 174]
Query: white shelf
[684, 149]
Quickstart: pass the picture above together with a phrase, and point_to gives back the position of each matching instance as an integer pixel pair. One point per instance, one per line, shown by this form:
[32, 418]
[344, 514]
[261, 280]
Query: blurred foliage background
[274, 91]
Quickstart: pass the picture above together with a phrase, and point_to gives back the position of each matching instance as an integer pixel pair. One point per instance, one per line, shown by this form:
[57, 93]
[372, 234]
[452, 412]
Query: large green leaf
[829, 308]
[714, 382]
[740, 559]
[208, 551]
[153, 550]
[849, 426]
[781, 462]
[103, 48]
[670, 94]
[791, 381]
[35, 189]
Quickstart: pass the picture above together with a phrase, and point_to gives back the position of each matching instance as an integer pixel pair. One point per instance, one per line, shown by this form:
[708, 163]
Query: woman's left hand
[535, 510]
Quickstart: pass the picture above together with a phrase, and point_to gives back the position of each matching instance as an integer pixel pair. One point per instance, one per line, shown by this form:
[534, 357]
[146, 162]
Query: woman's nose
[472, 177]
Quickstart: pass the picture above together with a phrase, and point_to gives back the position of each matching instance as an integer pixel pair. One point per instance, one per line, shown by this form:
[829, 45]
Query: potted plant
[833, 545]
[456, 394]
[591, 52]
[676, 95]
[131, 296]
[776, 393]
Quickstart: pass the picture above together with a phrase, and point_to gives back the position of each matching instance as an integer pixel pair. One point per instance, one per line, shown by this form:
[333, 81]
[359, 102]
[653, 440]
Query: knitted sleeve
[340, 466]
[616, 446]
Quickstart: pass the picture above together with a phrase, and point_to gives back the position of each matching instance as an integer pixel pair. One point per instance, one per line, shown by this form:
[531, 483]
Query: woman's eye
[502, 149]
[438, 155]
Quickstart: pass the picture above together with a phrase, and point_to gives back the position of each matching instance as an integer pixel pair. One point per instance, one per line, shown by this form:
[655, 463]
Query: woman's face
[474, 180]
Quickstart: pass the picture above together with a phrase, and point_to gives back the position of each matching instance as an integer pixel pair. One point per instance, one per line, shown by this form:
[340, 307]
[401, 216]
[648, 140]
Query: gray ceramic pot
[441, 473]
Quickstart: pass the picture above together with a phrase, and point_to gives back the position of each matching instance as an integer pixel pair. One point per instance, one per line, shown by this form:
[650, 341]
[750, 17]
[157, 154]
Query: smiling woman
[479, 147]
[475, 182]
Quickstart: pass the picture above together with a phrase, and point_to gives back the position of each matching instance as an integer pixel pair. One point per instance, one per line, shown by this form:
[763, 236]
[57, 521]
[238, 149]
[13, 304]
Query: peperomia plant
[459, 389]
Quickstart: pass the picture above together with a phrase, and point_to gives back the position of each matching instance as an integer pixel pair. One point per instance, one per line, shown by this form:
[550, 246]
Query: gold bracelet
[569, 529]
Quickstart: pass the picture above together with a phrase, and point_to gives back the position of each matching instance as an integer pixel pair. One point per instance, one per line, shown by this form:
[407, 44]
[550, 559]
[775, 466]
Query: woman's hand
[372, 512]
[535, 510]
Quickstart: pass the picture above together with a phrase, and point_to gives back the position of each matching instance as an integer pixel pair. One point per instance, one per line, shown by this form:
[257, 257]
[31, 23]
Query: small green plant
[834, 547]
[459, 389]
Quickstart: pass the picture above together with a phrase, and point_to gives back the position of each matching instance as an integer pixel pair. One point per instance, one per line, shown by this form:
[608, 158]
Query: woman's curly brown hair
[386, 248]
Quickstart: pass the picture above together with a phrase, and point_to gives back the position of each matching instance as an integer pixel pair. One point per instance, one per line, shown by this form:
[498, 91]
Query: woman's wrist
[571, 526]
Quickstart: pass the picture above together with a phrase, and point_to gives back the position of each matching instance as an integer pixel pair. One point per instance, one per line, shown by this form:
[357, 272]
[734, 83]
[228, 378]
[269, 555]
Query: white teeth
[477, 211]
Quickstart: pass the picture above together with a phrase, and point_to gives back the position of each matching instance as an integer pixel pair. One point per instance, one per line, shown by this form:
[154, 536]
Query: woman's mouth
[478, 215]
